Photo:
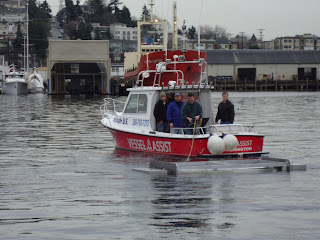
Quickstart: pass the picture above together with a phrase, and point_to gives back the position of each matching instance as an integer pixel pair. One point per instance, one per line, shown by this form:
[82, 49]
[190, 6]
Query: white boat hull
[15, 88]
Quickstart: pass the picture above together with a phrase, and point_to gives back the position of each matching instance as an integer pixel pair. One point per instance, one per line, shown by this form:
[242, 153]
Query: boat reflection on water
[129, 157]
[193, 202]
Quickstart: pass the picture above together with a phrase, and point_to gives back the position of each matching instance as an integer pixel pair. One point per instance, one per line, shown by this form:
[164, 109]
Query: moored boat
[14, 83]
[35, 82]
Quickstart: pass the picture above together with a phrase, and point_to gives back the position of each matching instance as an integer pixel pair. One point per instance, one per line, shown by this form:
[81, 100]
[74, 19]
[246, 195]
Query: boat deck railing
[233, 129]
[220, 129]
[157, 78]
[111, 105]
[179, 75]
[197, 130]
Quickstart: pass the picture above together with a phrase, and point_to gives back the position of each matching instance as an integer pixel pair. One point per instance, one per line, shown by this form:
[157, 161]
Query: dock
[230, 165]
[247, 85]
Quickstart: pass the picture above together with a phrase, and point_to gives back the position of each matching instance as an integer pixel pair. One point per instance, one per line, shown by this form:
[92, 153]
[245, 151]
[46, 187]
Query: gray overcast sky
[277, 17]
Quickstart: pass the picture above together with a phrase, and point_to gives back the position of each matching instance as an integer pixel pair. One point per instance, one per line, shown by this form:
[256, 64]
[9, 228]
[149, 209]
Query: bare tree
[216, 33]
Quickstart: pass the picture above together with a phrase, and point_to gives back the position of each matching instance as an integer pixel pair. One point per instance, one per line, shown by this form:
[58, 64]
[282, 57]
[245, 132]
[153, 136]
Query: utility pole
[242, 39]
[261, 36]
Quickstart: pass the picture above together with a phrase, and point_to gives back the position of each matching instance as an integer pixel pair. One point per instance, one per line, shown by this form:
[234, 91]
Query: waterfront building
[247, 64]
[12, 4]
[298, 42]
[123, 32]
[210, 44]
[79, 66]
[117, 50]
[9, 20]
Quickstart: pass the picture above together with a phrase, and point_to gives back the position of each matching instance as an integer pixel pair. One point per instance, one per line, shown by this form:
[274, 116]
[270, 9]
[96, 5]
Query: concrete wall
[131, 60]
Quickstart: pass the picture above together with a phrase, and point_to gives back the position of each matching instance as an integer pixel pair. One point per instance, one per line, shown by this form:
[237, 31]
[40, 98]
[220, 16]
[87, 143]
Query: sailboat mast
[27, 67]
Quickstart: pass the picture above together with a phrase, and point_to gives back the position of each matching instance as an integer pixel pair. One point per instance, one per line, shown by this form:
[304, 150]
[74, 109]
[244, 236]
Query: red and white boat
[133, 125]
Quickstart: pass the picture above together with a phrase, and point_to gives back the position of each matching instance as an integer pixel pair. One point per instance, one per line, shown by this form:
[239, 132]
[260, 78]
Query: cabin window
[137, 104]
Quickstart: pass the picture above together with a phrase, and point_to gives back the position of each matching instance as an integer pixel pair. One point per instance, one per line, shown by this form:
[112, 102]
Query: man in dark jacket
[174, 114]
[191, 114]
[160, 113]
[225, 110]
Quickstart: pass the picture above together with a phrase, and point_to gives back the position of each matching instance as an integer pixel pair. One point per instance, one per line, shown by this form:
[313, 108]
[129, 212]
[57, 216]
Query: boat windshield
[137, 103]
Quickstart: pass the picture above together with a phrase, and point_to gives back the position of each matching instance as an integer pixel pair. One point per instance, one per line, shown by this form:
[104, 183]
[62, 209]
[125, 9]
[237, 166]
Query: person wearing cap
[160, 113]
[191, 114]
[225, 110]
[174, 114]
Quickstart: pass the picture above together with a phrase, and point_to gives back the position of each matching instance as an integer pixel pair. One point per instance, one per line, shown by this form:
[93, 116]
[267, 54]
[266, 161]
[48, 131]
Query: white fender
[215, 145]
[230, 141]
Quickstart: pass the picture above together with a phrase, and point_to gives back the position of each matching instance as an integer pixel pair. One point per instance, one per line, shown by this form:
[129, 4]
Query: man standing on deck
[174, 114]
[225, 110]
[191, 114]
[160, 113]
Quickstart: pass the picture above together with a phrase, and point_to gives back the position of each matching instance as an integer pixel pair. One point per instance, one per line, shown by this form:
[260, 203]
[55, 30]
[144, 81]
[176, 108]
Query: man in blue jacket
[174, 114]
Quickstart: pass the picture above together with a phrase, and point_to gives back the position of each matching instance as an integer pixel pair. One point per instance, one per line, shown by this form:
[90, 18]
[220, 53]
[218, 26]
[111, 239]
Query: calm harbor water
[61, 178]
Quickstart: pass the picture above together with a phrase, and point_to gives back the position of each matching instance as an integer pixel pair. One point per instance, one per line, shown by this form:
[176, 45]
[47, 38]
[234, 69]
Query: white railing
[179, 74]
[233, 129]
[197, 130]
[111, 105]
[220, 129]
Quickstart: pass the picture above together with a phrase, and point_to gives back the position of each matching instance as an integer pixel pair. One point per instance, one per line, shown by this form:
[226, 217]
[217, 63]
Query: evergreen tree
[125, 17]
[78, 8]
[45, 9]
[97, 34]
[62, 17]
[114, 4]
[191, 33]
[106, 35]
[19, 40]
[96, 9]
[84, 31]
[145, 13]
[39, 26]
[70, 9]
[38, 36]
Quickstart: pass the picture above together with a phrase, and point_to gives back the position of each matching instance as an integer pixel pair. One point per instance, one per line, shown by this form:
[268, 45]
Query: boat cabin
[138, 110]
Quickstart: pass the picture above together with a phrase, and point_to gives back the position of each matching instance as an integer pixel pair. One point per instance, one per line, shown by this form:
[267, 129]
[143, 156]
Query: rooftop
[248, 56]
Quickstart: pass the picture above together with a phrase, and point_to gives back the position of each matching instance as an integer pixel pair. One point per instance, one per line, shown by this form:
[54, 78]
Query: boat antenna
[175, 29]
[184, 28]
[199, 28]
[167, 30]
[199, 41]
[151, 3]
[167, 42]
